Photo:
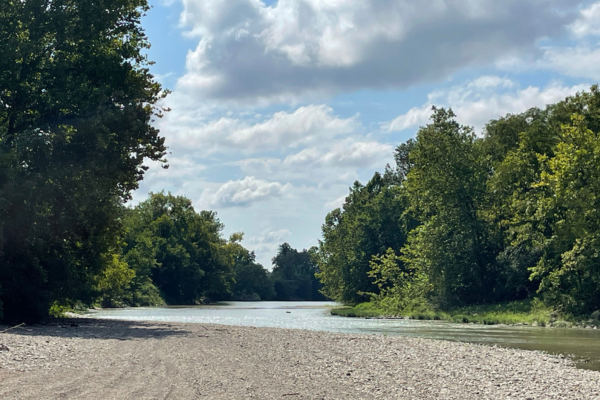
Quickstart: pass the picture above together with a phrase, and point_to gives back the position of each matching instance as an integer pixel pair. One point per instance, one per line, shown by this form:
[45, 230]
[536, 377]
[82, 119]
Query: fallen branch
[291, 394]
[14, 327]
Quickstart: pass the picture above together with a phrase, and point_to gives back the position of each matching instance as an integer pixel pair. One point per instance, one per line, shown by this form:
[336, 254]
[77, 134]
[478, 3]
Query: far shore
[88, 358]
[517, 313]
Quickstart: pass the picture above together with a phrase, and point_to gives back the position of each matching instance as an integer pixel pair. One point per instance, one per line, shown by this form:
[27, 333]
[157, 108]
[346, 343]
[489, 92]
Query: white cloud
[182, 167]
[343, 154]
[252, 53]
[416, 116]
[579, 58]
[306, 125]
[335, 161]
[580, 62]
[242, 193]
[588, 24]
[477, 102]
[337, 203]
[265, 245]
[268, 236]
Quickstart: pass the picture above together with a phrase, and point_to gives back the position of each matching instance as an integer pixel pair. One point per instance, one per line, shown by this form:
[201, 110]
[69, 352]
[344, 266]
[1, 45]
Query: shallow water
[580, 344]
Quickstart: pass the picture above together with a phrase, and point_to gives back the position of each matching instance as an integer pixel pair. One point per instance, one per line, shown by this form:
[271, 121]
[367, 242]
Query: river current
[583, 345]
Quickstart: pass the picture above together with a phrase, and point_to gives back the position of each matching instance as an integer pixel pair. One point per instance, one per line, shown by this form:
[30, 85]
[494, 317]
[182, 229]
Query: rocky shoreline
[101, 359]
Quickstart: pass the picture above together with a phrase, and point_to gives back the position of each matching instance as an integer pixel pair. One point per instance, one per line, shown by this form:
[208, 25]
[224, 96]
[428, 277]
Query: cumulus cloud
[268, 236]
[580, 62]
[486, 98]
[578, 58]
[249, 52]
[242, 193]
[331, 162]
[305, 125]
[343, 154]
[588, 23]
[266, 243]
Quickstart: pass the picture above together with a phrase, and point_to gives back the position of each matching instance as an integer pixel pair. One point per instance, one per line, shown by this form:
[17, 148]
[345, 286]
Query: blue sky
[279, 106]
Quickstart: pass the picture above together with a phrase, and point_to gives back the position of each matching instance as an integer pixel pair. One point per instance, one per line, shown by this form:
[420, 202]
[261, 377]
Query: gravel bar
[102, 359]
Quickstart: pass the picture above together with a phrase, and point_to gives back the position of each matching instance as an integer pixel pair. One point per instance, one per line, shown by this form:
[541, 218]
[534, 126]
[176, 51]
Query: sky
[277, 107]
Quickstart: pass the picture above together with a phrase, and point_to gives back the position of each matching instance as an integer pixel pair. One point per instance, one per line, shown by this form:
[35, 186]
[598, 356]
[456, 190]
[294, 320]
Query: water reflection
[581, 344]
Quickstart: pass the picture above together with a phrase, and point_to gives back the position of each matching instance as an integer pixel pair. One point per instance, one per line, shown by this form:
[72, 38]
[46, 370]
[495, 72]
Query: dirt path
[99, 359]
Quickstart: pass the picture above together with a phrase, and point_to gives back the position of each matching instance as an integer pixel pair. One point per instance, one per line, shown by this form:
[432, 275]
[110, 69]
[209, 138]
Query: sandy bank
[99, 359]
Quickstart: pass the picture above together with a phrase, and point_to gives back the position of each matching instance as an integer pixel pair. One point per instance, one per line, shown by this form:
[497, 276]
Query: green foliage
[506, 217]
[363, 310]
[176, 250]
[508, 313]
[114, 282]
[570, 266]
[172, 254]
[75, 126]
[371, 220]
[446, 186]
[293, 274]
[252, 280]
[401, 286]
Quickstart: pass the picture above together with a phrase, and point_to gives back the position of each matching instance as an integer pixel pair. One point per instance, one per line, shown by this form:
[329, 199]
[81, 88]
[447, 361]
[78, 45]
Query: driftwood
[14, 327]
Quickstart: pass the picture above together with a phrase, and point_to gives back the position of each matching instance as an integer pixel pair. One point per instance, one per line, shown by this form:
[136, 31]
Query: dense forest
[170, 254]
[464, 219]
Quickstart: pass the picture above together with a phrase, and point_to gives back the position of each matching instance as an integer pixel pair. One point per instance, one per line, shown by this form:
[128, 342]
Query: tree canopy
[509, 215]
[76, 106]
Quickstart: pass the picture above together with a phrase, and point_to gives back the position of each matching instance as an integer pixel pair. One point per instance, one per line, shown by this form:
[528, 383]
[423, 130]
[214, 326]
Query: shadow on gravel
[91, 328]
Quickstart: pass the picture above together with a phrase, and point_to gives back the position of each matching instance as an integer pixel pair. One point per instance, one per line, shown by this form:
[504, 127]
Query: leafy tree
[445, 185]
[542, 187]
[180, 251]
[114, 282]
[569, 268]
[294, 275]
[402, 286]
[371, 220]
[76, 105]
[252, 280]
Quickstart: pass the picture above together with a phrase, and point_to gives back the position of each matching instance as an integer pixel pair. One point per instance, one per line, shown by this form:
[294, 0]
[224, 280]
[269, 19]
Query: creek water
[583, 345]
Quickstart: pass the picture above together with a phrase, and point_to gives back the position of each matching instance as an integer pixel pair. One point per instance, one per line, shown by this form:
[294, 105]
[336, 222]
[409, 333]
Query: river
[579, 344]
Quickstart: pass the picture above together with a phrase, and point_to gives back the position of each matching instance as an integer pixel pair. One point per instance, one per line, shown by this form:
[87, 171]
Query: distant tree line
[464, 220]
[170, 254]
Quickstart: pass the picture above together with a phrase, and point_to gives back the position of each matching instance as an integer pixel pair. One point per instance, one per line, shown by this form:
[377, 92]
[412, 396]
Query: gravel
[101, 359]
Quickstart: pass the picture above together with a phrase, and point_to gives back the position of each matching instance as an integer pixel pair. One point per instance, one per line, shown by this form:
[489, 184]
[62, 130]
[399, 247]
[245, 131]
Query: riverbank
[101, 359]
[513, 313]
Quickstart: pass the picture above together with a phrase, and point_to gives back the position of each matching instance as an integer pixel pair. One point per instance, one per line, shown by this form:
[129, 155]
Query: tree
[445, 185]
[294, 275]
[180, 250]
[76, 106]
[371, 221]
[252, 280]
[569, 267]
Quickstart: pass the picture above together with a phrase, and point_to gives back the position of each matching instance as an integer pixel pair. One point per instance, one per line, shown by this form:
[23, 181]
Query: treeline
[171, 254]
[463, 220]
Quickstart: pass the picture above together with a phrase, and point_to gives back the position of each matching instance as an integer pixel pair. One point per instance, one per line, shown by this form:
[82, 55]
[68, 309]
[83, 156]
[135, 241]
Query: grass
[364, 310]
[511, 313]
[523, 312]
